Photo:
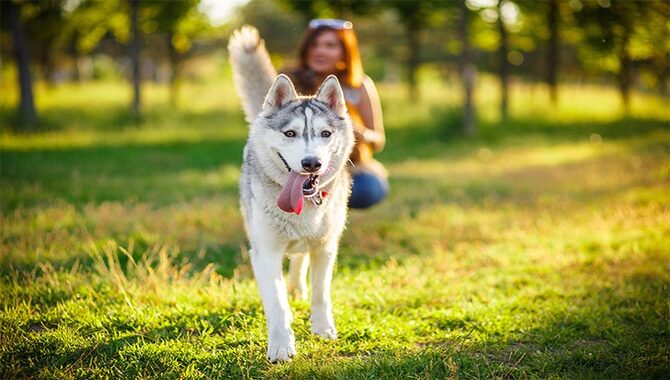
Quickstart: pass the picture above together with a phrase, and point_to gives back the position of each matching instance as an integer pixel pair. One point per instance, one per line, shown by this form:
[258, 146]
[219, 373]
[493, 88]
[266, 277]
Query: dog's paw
[281, 353]
[246, 39]
[323, 324]
[326, 333]
[281, 349]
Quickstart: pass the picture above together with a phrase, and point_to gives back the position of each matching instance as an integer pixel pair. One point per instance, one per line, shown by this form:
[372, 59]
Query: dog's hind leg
[297, 276]
[323, 261]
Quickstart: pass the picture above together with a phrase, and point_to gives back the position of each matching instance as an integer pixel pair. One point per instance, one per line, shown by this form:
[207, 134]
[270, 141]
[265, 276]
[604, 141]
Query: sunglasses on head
[331, 23]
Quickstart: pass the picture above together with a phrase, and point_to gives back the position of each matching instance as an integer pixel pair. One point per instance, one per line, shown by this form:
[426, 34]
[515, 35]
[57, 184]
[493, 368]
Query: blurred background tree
[467, 70]
[13, 20]
[179, 23]
[414, 16]
[622, 43]
[620, 36]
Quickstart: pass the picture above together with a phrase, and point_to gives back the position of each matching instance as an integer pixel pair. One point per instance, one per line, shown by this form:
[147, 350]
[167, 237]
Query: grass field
[537, 249]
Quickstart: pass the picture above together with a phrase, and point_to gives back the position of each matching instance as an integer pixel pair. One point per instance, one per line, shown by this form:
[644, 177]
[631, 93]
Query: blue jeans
[367, 190]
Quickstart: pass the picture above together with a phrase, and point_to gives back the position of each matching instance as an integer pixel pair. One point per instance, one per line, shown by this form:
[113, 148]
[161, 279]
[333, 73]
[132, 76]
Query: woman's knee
[367, 190]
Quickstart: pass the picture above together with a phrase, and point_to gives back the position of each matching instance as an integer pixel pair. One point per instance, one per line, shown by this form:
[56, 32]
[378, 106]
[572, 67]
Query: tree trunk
[553, 51]
[412, 31]
[46, 61]
[625, 71]
[662, 78]
[74, 57]
[175, 63]
[504, 66]
[27, 113]
[468, 73]
[135, 58]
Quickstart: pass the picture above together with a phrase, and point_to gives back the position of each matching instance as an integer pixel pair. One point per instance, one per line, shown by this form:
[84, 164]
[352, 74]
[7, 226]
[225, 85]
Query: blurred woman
[329, 46]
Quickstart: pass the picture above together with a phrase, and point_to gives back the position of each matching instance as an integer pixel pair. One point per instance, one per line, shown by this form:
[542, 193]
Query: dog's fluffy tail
[253, 72]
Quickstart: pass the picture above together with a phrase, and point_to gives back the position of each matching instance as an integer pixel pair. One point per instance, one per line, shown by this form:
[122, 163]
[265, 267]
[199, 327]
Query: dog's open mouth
[310, 185]
[298, 186]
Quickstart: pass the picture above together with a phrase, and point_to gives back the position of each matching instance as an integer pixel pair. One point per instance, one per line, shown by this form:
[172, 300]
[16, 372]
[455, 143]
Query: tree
[307, 9]
[543, 23]
[498, 18]
[27, 113]
[614, 39]
[553, 50]
[413, 15]
[345, 9]
[91, 22]
[135, 57]
[179, 22]
[503, 51]
[175, 22]
[44, 28]
[467, 71]
[281, 30]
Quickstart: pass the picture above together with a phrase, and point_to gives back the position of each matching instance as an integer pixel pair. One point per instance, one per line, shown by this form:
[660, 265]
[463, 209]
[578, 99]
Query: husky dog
[294, 187]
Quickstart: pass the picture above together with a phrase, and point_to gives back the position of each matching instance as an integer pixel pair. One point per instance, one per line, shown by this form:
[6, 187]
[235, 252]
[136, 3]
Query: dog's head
[306, 135]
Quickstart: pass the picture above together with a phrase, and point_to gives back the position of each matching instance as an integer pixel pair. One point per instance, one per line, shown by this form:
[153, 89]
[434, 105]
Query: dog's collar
[288, 168]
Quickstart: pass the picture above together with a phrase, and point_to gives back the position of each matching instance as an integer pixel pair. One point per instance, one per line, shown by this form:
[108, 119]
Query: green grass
[537, 249]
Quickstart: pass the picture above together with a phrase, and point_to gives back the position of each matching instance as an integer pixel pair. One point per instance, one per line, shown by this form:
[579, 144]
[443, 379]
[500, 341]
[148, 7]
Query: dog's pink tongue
[290, 199]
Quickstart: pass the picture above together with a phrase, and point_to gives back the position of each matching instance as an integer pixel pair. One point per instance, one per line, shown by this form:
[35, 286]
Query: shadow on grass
[165, 351]
[442, 138]
[154, 172]
[117, 117]
[158, 174]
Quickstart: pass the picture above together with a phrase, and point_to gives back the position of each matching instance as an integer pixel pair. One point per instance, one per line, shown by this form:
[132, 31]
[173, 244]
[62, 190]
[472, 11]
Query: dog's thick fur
[313, 234]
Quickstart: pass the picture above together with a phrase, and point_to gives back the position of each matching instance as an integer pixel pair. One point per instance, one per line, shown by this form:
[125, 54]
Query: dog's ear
[281, 92]
[331, 93]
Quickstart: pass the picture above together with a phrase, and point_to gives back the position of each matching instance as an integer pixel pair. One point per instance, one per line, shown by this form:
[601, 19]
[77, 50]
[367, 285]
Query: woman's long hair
[350, 75]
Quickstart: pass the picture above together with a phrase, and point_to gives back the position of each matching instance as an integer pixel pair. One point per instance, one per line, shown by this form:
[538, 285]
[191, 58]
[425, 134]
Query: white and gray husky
[294, 187]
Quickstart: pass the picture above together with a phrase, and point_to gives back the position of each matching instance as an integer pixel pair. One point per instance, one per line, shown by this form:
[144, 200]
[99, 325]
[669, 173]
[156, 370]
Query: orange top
[366, 115]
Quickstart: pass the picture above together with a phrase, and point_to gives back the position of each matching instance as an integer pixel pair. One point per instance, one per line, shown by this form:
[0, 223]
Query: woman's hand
[366, 135]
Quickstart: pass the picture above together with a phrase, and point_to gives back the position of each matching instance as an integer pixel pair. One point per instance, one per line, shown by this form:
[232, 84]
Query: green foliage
[44, 22]
[412, 13]
[190, 25]
[91, 20]
[310, 9]
[280, 29]
[180, 19]
[610, 29]
[537, 249]
[104, 68]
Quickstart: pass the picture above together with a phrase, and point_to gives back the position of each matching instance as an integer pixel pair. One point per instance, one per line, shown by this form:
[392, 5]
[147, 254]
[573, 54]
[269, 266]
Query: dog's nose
[311, 164]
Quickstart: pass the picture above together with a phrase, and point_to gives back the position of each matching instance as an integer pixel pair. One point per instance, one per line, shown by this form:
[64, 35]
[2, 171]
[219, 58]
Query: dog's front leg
[266, 260]
[323, 261]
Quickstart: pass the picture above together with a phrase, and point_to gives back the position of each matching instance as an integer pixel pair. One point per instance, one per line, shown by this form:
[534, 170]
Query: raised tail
[253, 72]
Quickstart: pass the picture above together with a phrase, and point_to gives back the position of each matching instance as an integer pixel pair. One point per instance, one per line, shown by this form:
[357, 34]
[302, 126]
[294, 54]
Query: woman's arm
[370, 111]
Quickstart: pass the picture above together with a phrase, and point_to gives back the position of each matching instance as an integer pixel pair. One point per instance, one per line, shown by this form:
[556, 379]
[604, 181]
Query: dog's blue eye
[326, 134]
[289, 133]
